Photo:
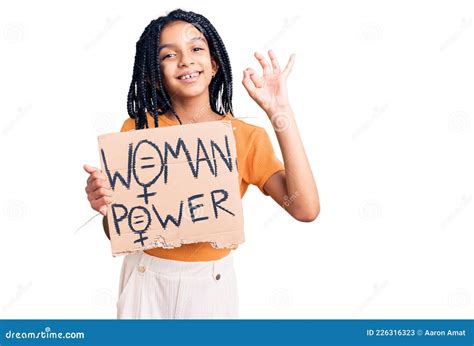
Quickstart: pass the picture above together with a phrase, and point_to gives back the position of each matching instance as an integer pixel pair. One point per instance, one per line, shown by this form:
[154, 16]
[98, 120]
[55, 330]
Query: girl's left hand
[269, 90]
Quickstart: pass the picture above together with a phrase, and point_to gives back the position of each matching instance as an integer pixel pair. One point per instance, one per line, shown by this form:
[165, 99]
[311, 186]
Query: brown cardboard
[154, 184]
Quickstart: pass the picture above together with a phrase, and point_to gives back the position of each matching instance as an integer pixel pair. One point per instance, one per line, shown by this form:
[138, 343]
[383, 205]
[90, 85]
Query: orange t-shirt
[256, 162]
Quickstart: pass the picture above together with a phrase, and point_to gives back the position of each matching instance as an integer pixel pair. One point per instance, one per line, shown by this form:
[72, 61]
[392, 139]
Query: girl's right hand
[98, 190]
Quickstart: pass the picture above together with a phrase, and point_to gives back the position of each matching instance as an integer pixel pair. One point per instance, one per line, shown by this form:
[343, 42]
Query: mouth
[189, 78]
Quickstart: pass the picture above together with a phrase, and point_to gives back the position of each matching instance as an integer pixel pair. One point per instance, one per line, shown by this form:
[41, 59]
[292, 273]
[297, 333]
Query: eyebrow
[166, 45]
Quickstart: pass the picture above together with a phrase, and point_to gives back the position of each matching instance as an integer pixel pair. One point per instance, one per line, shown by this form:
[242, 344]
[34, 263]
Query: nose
[186, 60]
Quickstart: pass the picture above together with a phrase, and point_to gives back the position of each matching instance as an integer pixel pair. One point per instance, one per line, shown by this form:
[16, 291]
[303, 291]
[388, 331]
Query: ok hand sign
[269, 90]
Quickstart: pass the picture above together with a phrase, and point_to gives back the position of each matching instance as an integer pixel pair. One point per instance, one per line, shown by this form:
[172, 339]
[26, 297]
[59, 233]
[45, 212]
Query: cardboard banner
[172, 186]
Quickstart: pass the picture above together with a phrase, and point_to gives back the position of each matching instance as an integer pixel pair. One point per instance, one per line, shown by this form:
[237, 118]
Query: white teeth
[189, 76]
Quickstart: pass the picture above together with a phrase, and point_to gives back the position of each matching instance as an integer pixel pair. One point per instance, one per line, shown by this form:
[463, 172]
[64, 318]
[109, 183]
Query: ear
[215, 66]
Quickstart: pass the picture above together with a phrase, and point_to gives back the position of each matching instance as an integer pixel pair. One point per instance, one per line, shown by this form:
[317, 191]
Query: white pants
[152, 287]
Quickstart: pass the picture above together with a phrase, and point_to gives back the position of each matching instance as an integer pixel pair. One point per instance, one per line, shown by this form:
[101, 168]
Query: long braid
[152, 62]
[143, 95]
[223, 81]
[132, 107]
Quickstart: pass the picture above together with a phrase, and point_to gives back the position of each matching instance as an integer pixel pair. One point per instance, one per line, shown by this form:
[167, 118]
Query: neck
[193, 110]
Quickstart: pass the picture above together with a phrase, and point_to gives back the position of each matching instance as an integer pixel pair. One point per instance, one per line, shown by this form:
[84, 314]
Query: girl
[182, 75]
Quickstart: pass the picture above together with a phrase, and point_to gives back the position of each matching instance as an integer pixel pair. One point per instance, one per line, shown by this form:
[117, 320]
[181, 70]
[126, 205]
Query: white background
[383, 96]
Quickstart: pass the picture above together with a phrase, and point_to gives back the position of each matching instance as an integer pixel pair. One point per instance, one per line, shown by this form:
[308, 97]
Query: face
[185, 61]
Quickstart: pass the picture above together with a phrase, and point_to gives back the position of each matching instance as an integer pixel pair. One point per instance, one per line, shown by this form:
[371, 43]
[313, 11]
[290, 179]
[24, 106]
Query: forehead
[180, 32]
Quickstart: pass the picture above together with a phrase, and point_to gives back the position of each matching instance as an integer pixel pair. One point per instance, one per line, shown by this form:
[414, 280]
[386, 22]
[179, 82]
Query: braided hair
[147, 92]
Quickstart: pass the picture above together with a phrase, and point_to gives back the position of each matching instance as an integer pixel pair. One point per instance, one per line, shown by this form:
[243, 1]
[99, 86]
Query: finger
[91, 177]
[289, 65]
[275, 64]
[248, 83]
[255, 78]
[101, 202]
[101, 192]
[90, 169]
[100, 208]
[97, 183]
[265, 66]
[96, 175]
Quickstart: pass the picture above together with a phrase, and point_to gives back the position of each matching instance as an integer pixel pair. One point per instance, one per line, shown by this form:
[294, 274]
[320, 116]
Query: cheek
[208, 63]
[167, 74]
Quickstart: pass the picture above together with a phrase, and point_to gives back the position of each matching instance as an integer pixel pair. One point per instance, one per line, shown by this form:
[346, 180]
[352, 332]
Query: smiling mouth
[190, 78]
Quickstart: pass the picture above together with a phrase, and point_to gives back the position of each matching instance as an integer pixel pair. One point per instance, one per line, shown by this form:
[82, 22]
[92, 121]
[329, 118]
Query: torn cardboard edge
[160, 242]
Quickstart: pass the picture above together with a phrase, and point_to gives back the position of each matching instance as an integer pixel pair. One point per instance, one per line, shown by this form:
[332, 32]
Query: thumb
[248, 83]
[90, 169]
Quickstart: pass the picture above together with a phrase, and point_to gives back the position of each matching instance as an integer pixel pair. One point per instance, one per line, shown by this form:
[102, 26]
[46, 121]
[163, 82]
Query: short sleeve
[128, 125]
[261, 162]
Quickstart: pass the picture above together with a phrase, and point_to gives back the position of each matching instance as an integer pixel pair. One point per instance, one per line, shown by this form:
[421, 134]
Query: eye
[198, 48]
[167, 56]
